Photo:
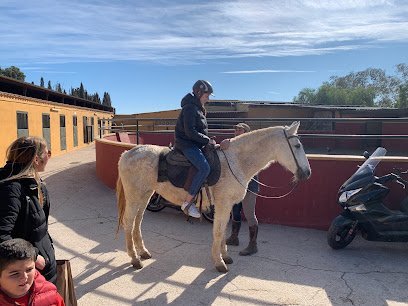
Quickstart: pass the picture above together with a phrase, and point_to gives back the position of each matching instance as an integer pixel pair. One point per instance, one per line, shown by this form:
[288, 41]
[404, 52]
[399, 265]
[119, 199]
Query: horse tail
[121, 200]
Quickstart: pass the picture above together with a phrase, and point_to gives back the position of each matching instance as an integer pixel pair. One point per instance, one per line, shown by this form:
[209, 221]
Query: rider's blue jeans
[197, 158]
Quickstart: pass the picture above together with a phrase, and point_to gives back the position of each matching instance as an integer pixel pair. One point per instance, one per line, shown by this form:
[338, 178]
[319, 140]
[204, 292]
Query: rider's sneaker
[192, 210]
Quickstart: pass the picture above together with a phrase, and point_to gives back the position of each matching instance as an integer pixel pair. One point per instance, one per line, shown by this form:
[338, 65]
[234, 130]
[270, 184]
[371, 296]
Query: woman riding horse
[191, 135]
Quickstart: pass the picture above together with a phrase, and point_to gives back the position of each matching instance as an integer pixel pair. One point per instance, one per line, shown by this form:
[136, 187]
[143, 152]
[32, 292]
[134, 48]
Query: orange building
[66, 122]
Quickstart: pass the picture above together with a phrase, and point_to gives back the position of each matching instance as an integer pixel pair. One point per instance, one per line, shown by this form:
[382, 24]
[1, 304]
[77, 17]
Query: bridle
[268, 197]
[290, 147]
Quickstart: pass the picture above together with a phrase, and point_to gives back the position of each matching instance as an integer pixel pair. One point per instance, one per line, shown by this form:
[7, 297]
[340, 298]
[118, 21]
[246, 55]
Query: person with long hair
[24, 204]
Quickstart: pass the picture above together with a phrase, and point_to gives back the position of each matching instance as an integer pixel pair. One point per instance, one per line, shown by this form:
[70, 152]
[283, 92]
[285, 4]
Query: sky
[147, 54]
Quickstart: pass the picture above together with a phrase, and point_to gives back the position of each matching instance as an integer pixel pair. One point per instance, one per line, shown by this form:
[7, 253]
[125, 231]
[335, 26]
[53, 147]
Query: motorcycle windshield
[365, 172]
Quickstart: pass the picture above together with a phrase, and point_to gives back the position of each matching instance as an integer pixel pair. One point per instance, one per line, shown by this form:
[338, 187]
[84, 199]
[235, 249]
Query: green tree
[58, 87]
[106, 99]
[306, 96]
[13, 72]
[81, 91]
[402, 101]
[366, 88]
[49, 85]
[403, 70]
[42, 82]
[96, 99]
[331, 95]
[384, 87]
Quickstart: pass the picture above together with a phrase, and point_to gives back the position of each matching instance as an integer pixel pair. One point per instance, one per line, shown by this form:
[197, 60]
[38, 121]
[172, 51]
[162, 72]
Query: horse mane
[243, 145]
[247, 137]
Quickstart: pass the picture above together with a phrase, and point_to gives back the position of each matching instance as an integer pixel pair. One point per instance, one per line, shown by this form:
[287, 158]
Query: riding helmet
[201, 86]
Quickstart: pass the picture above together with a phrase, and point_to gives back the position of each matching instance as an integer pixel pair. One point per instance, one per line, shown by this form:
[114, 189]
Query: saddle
[176, 168]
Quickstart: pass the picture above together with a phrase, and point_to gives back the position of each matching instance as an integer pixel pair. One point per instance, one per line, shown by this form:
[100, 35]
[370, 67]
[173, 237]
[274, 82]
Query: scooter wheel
[340, 235]
[155, 203]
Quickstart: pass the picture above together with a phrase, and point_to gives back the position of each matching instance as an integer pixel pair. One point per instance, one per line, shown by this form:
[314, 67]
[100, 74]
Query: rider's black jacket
[191, 127]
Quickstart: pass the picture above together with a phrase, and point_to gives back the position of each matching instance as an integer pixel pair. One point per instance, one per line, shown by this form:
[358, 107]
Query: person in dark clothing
[247, 204]
[25, 204]
[191, 135]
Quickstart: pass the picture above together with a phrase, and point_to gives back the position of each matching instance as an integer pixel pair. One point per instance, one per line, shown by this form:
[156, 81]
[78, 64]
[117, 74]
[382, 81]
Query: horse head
[292, 155]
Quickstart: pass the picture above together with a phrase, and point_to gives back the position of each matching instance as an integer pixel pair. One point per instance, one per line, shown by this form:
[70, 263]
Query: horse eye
[297, 146]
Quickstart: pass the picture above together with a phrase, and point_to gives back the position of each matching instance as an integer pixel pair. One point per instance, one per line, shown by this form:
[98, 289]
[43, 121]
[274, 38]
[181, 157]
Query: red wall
[312, 204]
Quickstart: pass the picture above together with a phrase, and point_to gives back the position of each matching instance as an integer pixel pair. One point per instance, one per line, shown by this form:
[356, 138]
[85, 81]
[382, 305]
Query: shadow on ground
[294, 266]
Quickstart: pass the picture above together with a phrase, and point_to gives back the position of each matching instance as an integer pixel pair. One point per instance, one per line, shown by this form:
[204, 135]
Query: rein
[262, 196]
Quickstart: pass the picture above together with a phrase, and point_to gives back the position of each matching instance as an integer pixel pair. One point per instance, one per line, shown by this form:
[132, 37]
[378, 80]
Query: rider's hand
[225, 144]
[212, 142]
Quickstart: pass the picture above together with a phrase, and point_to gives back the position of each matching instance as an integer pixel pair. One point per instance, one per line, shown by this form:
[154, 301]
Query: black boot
[233, 239]
[252, 247]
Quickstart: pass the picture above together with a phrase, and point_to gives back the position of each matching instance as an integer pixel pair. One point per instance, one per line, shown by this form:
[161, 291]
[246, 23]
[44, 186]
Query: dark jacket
[191, 127]
[43, 293]
[21, 216]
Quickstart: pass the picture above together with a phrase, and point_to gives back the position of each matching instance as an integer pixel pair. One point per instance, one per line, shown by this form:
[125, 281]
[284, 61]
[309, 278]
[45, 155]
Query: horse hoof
[145, 255]
[222, 268]
[137, 264]
[228, 260]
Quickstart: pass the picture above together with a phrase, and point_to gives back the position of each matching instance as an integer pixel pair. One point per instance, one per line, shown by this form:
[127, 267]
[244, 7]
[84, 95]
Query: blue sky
[147, 54]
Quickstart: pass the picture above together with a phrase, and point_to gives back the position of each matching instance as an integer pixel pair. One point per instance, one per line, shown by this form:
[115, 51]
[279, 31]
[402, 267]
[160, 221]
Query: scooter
[158, 203]
[361, 197]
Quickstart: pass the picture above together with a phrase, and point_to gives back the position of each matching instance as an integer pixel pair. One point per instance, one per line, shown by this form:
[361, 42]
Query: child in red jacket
[20, 283]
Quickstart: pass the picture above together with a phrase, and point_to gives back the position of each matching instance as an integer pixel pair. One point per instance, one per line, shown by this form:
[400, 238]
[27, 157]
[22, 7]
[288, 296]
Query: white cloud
[166, 31]
[267, 71]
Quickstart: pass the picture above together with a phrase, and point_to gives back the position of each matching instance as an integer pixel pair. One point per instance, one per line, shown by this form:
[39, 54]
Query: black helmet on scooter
[201, 87]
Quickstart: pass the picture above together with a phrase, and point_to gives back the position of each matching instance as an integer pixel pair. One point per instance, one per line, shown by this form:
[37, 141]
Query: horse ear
[294, 127]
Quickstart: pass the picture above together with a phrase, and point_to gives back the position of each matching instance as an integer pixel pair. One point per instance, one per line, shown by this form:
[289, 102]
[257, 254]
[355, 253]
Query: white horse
[247, 155]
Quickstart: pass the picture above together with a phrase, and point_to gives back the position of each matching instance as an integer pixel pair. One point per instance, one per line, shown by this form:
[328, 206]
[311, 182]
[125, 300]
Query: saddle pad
[175, 157]
[177, 169]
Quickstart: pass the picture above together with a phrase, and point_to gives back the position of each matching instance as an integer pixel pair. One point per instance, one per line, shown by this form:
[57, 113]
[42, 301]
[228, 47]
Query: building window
[46, 128]
[63, 134]
[85, 128]
[22, 124]
[46, 121]
[75, 130]
[62, 120]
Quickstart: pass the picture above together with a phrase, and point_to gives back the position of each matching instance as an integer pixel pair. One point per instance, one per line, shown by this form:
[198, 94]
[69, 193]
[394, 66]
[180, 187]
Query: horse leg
[224, 252]
[129, 230]
[137, 231]
[219, 248]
